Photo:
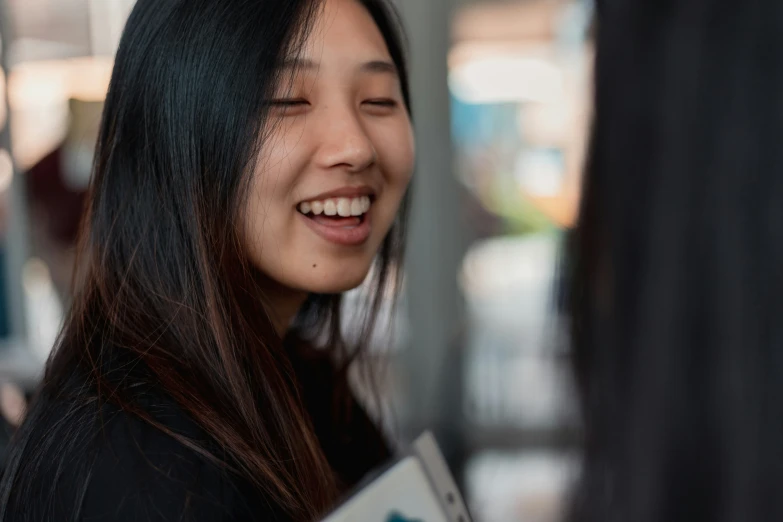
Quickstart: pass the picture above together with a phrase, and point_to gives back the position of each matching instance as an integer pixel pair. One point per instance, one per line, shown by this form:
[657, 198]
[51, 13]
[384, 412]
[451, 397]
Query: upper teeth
[343, 207]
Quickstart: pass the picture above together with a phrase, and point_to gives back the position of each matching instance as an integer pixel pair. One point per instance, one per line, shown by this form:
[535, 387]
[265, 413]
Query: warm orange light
[38, 94]
[36, 84]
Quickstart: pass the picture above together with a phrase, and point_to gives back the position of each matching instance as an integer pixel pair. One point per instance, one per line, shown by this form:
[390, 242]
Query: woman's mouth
[341, 207]
[344, 221]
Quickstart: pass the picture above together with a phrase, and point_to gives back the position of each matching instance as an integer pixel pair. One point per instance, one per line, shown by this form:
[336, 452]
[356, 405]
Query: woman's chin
[337, 282]
[335, 287]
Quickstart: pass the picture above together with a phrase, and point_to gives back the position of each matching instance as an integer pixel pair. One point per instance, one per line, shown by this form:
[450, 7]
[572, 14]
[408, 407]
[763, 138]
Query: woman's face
[332, 174]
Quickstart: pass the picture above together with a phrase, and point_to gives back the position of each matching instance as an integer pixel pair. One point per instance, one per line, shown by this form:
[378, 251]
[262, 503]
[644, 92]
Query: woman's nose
[345, 143]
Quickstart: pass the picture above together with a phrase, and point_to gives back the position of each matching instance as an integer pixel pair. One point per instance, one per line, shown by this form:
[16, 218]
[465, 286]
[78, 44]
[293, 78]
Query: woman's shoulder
[121, 467]
[148, 472]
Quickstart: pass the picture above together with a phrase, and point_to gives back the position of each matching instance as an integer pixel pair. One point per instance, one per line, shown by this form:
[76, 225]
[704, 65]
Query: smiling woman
[252, 165]
[328, 187]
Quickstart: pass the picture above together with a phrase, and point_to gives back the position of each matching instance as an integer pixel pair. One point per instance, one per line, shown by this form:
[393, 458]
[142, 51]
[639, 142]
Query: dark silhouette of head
[675, 285]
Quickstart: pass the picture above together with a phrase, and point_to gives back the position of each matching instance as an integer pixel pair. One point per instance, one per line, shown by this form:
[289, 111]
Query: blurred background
[501, 101]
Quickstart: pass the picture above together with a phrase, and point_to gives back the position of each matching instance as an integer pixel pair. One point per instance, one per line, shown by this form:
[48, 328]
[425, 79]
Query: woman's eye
[289, 106]
[382, 102]
[289, 102]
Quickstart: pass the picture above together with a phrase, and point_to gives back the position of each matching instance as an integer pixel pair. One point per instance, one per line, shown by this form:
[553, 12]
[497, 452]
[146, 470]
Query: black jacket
[142, 474]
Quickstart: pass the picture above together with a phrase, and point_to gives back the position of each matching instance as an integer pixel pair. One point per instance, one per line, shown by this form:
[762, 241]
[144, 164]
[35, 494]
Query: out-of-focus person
[676, 268]
[252, 165]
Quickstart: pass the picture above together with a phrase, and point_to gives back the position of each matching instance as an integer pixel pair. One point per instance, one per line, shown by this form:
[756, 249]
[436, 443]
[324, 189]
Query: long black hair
[676, 267]
[164, 282]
